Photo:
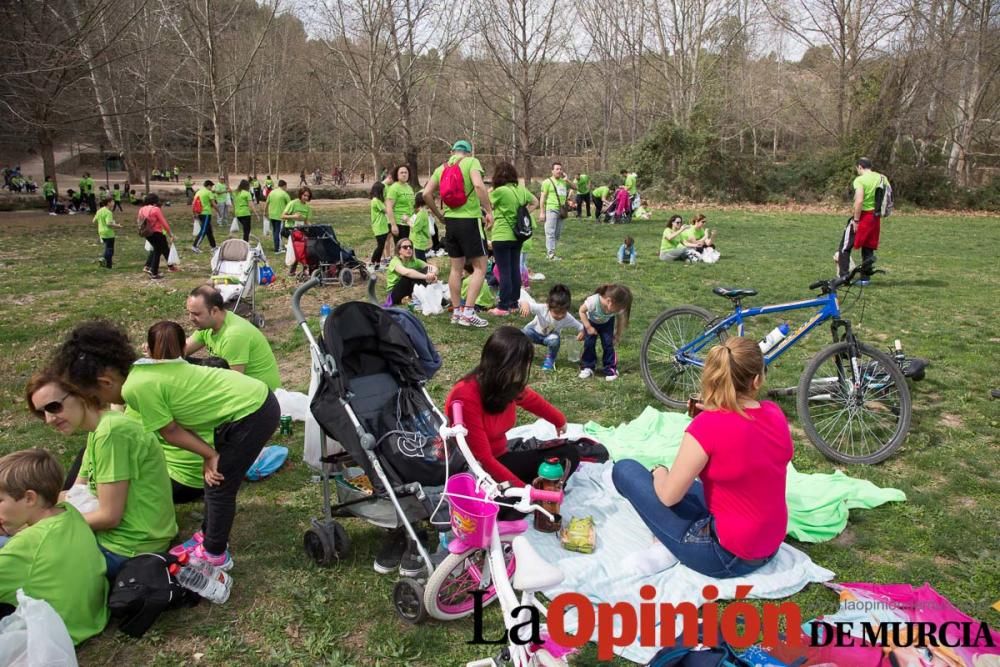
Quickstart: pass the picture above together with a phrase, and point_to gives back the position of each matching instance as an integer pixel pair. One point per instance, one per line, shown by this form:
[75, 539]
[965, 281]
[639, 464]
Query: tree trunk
[45, 147]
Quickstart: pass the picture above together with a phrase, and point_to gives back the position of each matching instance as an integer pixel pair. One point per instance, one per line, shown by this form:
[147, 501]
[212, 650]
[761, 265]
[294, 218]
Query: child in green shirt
[106, 227]
[52, 555]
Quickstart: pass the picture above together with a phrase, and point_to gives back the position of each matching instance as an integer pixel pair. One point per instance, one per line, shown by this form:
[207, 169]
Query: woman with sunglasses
[406, 271]
[189, 406]
[122, 464]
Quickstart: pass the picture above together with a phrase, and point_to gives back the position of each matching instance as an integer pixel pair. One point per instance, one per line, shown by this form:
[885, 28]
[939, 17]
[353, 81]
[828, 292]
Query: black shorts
[464, 238]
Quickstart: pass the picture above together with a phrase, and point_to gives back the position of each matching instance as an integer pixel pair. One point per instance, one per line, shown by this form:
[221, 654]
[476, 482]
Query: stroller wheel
[346, 277]
[408, 601]
[326, 542]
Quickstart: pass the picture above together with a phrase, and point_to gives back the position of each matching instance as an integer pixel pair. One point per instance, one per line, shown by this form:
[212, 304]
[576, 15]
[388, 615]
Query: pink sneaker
[223, 561]
[188, 546]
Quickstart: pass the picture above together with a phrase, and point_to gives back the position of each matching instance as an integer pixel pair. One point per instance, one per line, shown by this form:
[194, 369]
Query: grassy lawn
[937, 297]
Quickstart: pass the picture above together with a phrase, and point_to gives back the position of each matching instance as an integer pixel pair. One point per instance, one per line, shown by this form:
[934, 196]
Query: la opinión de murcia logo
[739, 624]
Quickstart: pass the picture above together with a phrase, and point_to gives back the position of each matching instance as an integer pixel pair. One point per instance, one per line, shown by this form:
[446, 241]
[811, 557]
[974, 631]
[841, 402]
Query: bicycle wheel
[671, 381]
[854, 417]
[448, 594]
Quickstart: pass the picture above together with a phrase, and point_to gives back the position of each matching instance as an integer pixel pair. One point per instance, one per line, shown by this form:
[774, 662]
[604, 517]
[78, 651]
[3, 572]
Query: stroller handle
[297, 297]
[456, 414]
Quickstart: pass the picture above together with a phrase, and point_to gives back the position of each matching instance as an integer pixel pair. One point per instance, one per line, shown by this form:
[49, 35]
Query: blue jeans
[685, 528]
[276, 234]
[624, 252]
[508, 255]
[114, 562]
[606, 332]
[109, 251]
[550, 341]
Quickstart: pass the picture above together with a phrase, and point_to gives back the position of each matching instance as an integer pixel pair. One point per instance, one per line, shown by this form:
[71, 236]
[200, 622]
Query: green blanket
[818, 504]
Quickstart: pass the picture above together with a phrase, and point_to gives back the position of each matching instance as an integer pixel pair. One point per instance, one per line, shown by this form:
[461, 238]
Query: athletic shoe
[195, 249]
[473, 320]
[456, 316]
[391, 553]
[156, 276]
[499, 312]
[190, 545]
[223, 561]
[146, 269]
[586, 373]
[172, 268]
[548, 364]
[610, 374]
[536, 276]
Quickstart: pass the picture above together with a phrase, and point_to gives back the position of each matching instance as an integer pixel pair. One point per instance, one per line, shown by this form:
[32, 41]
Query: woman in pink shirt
[731, 520]
[160, 237]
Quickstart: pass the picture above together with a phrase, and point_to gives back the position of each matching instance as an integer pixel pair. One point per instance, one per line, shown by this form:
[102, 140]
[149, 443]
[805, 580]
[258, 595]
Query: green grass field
[939, 297]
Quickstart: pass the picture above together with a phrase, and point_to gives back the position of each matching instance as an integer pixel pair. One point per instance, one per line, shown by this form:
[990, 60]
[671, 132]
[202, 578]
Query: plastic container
[550, 478]
[776, 335]
[574, 350]
[324, 312]
[472, 516]
[206, 580]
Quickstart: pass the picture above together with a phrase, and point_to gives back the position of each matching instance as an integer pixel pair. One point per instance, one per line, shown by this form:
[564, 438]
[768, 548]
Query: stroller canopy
[364, 340]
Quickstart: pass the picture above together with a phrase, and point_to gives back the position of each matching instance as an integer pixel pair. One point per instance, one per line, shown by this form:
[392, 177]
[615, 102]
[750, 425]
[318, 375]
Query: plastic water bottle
[206, 580]
[324, 312]
[777, 335]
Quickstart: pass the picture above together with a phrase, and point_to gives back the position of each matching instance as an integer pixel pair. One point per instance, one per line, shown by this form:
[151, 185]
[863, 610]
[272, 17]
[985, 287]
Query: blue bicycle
[853, 399]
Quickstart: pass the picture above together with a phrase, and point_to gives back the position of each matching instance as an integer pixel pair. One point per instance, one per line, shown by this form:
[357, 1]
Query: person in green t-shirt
[464, 233]
[863, 231]
[49, 190]
[695, 237]
[275, 205]
[207, 203]
[506, 197]
[399, 203]
[405, 272]
[106, 227]
[582, 184]
[420, 229]
[297, 213]
[52, 554]
[672, 248]
[630, 180]
[484, 302]
[180, 401]
[243, 207]
[229, 336]
[380, 223]
[555, 194]
[116, 195]
[122, 465]
[598, 195]
[189, 188]
[87, 192]
[223, 201]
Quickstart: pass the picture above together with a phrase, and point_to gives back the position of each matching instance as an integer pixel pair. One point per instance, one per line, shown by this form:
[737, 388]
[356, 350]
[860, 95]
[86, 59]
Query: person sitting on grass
[52, 554]
[721, 509]
[405, 272]
[627, 250]
[485, 300]
[550, 319]
[122, 465]
[672, 247]
[696, 237]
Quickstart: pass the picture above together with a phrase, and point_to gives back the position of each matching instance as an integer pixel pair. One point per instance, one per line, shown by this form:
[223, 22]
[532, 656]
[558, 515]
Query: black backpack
[143, 589]
[522, 222]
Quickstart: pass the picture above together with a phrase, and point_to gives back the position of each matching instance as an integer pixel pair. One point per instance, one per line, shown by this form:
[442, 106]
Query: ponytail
[728, 376]
[621, 297]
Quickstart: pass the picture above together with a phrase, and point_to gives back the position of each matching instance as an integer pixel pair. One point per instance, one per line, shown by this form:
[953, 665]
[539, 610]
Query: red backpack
[196, 205]
[453, 192]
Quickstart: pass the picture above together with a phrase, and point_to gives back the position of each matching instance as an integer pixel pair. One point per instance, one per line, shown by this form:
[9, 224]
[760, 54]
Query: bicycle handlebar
[543, 496]
[833, 284]
[456, 414]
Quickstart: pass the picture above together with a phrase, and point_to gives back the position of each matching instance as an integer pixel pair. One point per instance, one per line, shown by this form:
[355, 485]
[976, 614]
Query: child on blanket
[732, 520]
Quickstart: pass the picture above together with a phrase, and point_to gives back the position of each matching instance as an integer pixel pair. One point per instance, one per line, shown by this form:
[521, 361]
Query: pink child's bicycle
[492, 558]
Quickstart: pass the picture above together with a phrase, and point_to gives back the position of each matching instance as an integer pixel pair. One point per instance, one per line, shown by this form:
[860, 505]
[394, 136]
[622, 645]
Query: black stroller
[336, 263]
[371, 399]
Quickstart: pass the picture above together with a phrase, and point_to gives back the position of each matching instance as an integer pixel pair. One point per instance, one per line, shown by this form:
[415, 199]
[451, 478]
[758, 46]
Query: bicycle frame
[828, 309]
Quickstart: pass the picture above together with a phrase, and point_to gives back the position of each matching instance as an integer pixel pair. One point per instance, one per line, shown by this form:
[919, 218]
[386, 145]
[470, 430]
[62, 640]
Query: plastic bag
[268, 462]
[267, 226]
[710, 255]
[289, 254]
[82, 499]
[312, 448]
[35, 635]
[148, 246]
[173, 258]
[195, 227]
[293, 403]
[235, 227]
[430, 298]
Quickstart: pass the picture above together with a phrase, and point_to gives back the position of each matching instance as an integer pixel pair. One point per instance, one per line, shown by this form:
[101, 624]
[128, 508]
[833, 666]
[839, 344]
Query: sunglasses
[52, 407]
[406, 247]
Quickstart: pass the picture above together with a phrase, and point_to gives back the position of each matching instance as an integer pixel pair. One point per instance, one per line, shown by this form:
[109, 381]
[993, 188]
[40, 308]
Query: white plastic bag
[148, 246]
[35, 636]
[289, 254]
[293, 403]
[173, 258]
[267, 226]
[82, 499]
[235, 227]
[195, 227]
[313, 445]
[430, 298]
[710, 255]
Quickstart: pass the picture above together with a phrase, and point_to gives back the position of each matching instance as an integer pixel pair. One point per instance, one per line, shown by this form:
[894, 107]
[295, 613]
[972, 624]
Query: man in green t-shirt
[87, 192]
[106, 227]
[277, 200]
[554, 195]
[223, 201]
[862, 231]
[49, 190]
[599, 195]
[52, 554]
[189, 188]
[464, 241]
[582, 185]
[207, 203]
[229, 336]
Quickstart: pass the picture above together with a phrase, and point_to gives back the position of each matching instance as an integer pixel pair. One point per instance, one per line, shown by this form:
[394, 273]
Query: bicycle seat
[734, 292]
[533, 572]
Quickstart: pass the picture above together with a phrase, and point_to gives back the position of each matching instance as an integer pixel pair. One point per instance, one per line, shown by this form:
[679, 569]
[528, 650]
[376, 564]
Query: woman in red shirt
[161, 236]
[733, 520]
[490, 396]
